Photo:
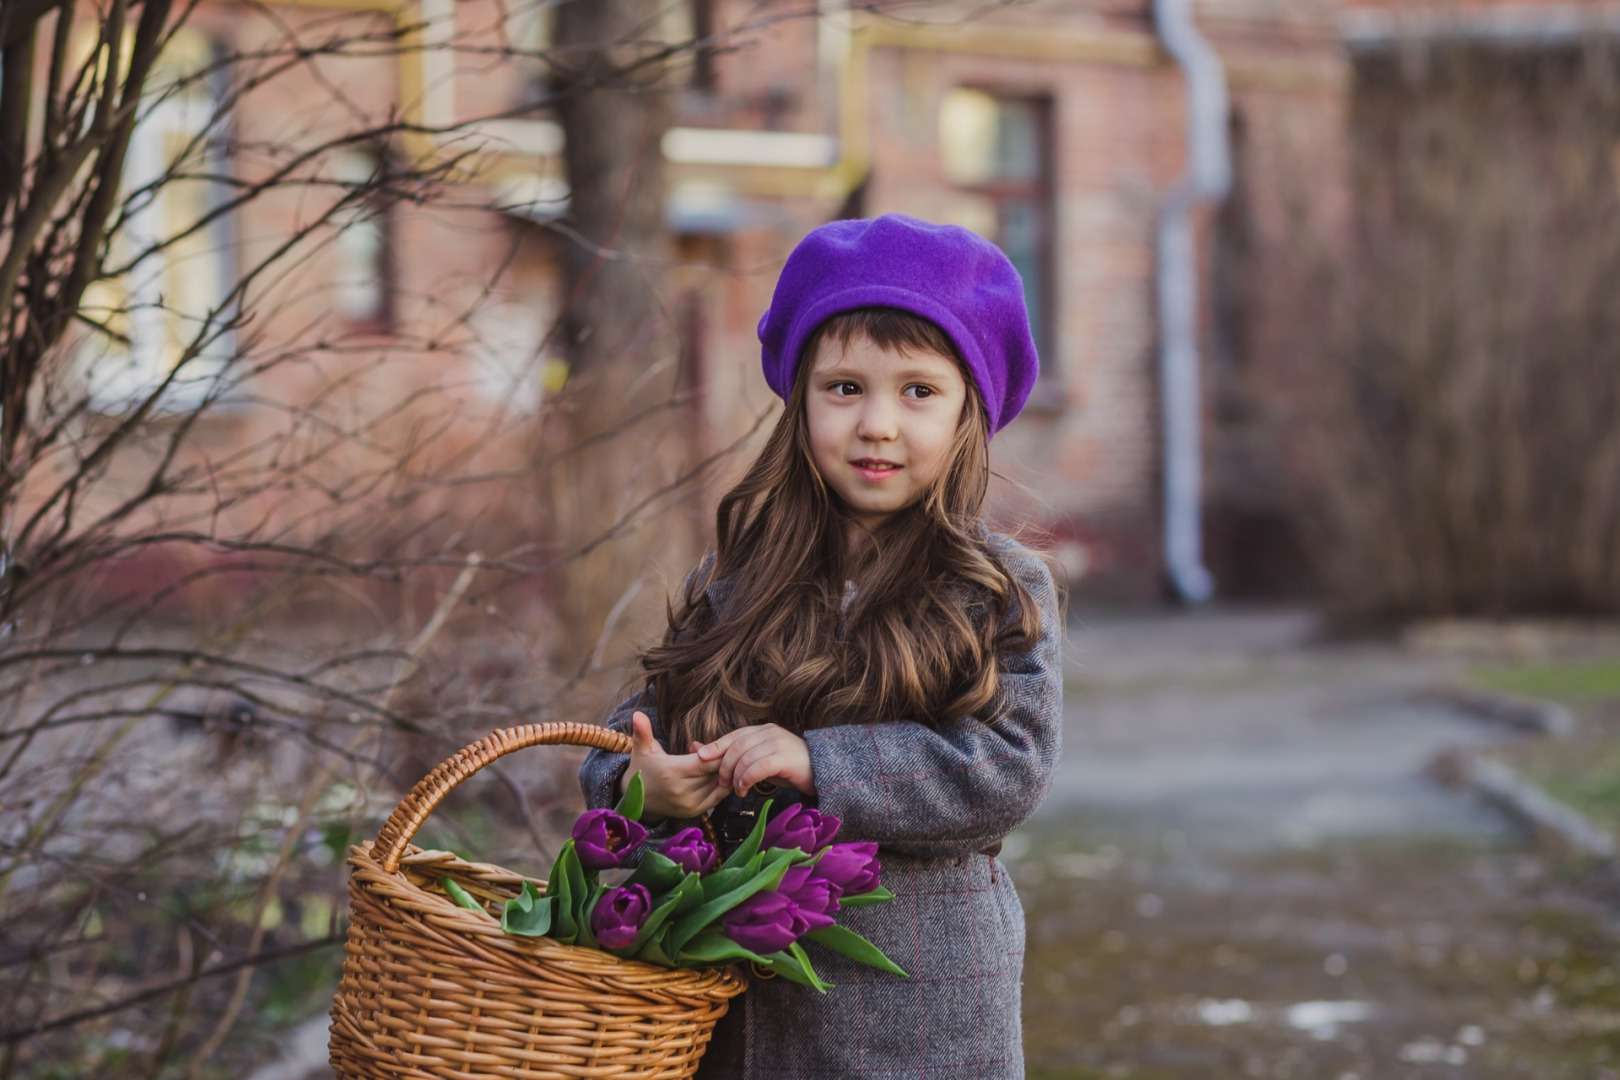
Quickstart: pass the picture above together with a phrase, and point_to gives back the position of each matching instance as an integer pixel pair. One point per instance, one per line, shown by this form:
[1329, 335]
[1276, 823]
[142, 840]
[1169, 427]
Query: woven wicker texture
[434, 990]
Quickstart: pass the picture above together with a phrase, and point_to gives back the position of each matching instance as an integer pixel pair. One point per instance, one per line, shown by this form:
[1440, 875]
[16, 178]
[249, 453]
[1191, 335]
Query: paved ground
[1244, 869]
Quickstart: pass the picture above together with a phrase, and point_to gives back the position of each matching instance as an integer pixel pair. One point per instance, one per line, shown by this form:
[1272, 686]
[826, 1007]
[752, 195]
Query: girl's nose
[879, 420]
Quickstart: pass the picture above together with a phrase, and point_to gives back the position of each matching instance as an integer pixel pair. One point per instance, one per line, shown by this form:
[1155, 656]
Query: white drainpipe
[1207, 177]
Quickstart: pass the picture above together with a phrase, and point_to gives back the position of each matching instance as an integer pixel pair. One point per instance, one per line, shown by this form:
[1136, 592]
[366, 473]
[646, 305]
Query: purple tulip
[801, 827]
[814, 896]
[618, 915]
[853, 868]
[766, 922]
[688, 850]
[605, 839]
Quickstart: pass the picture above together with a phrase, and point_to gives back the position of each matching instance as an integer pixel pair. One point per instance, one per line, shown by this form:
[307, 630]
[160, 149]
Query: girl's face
[882, 423]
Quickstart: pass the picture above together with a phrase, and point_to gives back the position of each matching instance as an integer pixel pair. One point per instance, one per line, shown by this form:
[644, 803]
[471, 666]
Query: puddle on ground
[1151, 957]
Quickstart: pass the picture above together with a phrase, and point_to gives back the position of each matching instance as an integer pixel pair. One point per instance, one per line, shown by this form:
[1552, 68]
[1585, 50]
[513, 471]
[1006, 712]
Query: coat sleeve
[952, 791]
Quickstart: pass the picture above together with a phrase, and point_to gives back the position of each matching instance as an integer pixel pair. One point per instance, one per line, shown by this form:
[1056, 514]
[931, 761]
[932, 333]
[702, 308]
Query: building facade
[1056, 129]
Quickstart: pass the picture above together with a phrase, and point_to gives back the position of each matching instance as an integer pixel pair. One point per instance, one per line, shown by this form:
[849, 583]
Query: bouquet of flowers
[681, 906]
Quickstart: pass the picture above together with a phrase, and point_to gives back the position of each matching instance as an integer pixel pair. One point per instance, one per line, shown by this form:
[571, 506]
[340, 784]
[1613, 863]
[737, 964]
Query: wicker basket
[432, 989]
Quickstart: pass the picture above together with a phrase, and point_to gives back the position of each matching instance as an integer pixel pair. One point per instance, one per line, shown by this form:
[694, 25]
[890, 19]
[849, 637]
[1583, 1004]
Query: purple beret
[945, 273]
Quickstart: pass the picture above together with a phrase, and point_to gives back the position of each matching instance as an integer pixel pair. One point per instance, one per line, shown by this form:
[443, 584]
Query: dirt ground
[1245, 869]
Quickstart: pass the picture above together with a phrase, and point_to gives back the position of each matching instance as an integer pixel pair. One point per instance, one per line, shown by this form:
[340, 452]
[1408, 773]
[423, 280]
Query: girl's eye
[922, 391]
[845, 389]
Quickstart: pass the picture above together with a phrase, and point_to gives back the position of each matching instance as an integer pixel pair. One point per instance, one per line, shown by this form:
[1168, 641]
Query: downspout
[1207, 178]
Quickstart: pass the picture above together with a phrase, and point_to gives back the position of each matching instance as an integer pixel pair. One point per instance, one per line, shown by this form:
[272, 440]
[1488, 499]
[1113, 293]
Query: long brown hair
[920, 638]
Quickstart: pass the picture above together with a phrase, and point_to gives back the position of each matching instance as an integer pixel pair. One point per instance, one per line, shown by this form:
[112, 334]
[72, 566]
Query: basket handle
[432, 788]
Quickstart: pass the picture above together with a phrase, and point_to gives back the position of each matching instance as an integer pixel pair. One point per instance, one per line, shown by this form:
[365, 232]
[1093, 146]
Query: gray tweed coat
[934, 801]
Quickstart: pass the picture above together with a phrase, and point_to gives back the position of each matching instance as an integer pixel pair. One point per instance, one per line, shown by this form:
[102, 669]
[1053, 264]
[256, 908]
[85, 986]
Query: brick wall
[1086, 451]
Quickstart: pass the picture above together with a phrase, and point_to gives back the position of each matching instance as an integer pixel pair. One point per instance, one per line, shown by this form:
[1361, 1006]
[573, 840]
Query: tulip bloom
[688, 850]
[852, 867]
[815, 897]
[766, 922]
[605, 839]
[802, 827]
[618, 916]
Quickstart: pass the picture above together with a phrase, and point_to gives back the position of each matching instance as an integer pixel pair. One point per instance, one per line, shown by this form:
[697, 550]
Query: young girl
[860, 642]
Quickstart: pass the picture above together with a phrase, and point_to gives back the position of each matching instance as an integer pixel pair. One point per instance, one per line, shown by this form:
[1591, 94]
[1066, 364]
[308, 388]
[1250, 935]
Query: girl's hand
[677, 785]
[763, 752]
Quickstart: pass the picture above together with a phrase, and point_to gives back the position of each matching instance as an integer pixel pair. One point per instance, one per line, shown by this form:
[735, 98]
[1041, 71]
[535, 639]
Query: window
[703, 78]
[364, 277]
[167, 307]
[505, 352]
[528, 28]
[997, 151]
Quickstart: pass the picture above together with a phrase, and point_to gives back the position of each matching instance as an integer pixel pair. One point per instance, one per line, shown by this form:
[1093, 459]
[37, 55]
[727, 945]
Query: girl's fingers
[691, 784]
[749, 738]
[725, 765]
[735, 753]
[690, 766]
[761, 763]
[717, 749]
[736, 737]
[691, 796]
[712, 751]
[746, 740]
[642, 735]
[702, 768]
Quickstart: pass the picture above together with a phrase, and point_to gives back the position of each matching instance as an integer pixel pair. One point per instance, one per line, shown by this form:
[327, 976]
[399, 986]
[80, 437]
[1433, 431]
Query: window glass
[1018, 140]
[166, 311]
[968, 136]
[528, 32]
[362, 244]
[995, 150]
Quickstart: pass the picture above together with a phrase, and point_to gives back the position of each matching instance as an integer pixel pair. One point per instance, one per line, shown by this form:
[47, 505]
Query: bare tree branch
[253, 962]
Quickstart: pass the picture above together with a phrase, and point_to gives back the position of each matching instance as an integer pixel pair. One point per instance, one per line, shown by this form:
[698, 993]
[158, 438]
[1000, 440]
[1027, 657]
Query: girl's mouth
[874, 469]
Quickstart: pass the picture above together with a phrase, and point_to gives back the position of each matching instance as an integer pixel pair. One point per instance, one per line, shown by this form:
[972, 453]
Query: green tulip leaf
[528, 914]
[769, 877]
[579, 879]
[723, 881]
[691, 886]
[749, 846]
[460, 895]
[634, 799]
[561, 887]
[580, 892]
[779, 858]
[850, 944]
[691, 897]
[587, 937]
[653, 953]
[658, 873]
[795, 968]
[715, 948]
[802, 958]
[876, 896]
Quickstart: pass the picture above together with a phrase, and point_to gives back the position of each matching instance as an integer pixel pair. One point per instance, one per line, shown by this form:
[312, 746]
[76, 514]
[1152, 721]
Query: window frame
[377, 208]
[136, 297]
[1040, 192]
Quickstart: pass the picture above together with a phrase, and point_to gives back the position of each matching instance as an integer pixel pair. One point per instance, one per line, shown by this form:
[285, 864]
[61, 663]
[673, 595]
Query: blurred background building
[1055, 129]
